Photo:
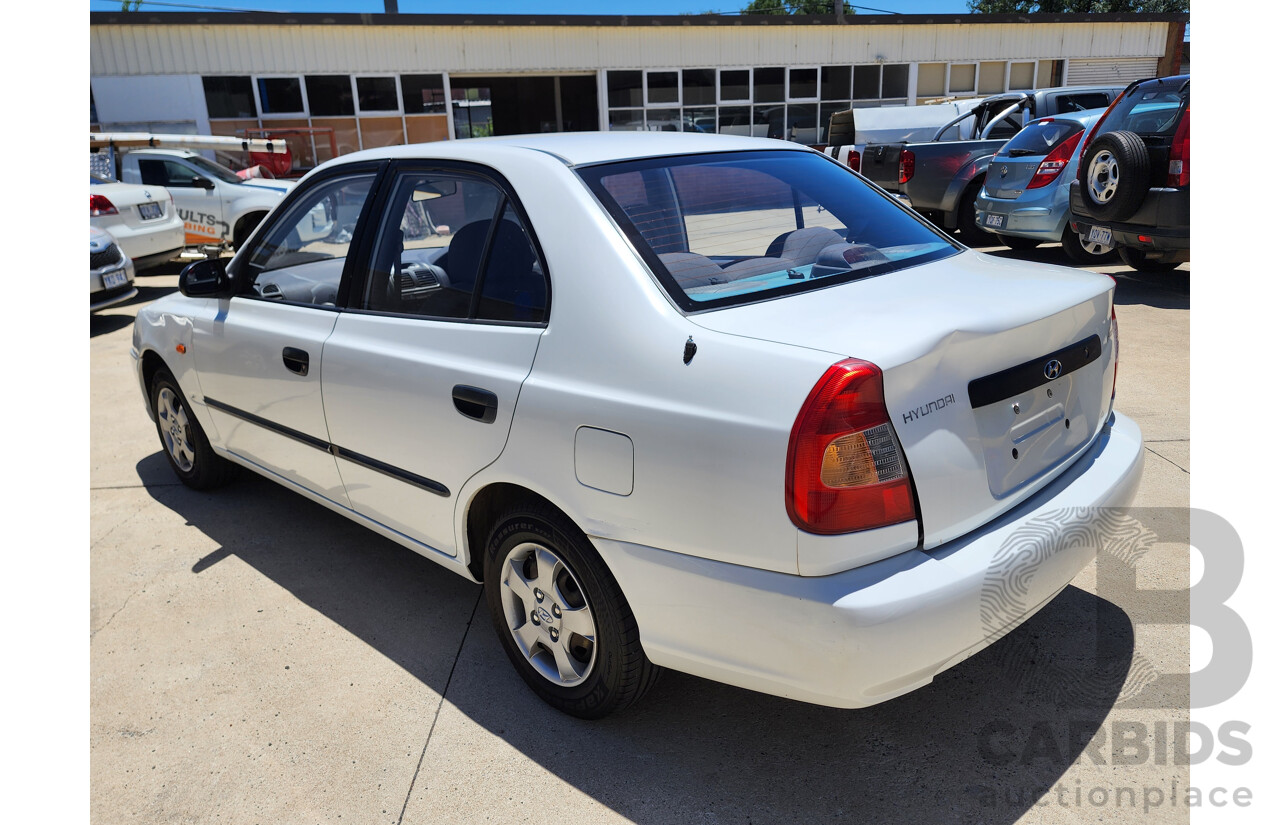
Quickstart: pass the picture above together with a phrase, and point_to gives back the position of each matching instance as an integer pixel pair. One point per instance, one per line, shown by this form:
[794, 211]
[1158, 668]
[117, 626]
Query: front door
[423, 370]
[259, 358]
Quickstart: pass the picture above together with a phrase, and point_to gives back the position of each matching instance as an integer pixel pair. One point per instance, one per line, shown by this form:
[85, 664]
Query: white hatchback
[142, 219]
[677, 400]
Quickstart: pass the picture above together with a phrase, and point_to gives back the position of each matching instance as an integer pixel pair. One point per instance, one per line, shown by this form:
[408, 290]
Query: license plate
[1100, 234]
[995, 220]
[110, 280]
[149, 211]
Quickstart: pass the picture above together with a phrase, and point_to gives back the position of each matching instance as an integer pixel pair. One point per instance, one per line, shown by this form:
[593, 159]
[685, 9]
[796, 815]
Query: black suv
[1133, 190]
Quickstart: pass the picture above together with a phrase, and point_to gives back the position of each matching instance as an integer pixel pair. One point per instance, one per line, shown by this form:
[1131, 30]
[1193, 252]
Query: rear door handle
[297, 360]
[477, 403]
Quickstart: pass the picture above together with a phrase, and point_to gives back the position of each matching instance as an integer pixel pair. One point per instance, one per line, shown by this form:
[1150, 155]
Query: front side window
[301, 257]
[451, 245]
[723, 229]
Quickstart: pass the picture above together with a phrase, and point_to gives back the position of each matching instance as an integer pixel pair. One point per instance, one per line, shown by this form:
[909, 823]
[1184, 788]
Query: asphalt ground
[255, 658]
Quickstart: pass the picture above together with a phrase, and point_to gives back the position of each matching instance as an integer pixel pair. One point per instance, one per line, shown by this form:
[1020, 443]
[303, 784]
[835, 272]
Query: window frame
[302, 89]
[950, 66]
[817, 84]
[733, 101]
[237, 270]
[355, 91]
[351, 293]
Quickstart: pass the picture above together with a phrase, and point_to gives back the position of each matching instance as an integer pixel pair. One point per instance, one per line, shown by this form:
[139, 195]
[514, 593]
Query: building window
[377, 94]
[280, 95]
[423, 94]
[329, 95]
[931, 80]
[1022, 75]
[699, 87]
[894, 81]
[625, 89]
[663, 88]
[735, 85]
[962, 78]
[229, 97]
[802, 84]
[768, 85]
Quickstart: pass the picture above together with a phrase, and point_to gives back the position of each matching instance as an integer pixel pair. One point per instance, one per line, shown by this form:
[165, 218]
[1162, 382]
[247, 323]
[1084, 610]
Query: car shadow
[983, 743]
[103, 323]
[1164, 290]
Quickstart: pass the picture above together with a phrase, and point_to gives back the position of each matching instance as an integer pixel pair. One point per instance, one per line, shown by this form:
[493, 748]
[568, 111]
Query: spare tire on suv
[1114, 175]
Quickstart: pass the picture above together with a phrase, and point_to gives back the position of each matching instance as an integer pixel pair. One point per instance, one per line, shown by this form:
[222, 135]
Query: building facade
[368, 80]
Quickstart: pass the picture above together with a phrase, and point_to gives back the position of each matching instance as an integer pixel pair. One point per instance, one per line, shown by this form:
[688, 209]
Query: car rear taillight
[855, 160]
[906, 166]
[845, 469]
[1180, 153]
[1055, 162]
[99, 206]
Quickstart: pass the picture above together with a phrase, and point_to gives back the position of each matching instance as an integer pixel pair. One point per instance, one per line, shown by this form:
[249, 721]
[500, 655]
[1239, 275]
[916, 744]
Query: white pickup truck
[216, 205]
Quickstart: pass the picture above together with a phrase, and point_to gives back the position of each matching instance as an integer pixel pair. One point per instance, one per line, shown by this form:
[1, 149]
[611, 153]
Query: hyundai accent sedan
[684, 401]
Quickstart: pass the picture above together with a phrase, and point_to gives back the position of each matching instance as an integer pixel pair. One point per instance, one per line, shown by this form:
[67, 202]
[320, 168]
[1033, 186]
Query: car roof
[581, 148]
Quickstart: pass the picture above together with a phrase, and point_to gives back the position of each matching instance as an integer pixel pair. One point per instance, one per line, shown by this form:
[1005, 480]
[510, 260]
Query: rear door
[202, 208]
[424, 368]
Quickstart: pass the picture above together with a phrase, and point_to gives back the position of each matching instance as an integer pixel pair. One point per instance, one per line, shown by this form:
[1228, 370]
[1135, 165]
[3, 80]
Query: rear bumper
[869, 634]
[1163, 221]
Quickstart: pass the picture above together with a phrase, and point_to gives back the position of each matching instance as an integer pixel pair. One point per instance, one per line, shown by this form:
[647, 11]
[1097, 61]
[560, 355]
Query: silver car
[1025, 198]
[110, 271]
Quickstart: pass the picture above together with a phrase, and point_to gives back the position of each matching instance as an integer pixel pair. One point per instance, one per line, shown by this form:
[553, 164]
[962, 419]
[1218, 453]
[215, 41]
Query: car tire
[561, 617]
[1083, 252]
[183, 440]
[244, 228]
[967, 220]
[1114, 175]
[1014, 242]
[1139, 260]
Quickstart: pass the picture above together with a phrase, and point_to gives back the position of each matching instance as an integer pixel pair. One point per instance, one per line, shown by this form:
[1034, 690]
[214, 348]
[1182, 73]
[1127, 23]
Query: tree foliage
[1077, 6]
[794, 7]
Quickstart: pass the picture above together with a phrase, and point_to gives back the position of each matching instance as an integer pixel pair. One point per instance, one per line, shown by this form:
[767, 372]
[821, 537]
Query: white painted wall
[147, 102]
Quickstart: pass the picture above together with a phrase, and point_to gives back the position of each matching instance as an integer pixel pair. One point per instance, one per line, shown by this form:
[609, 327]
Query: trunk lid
[966, 345]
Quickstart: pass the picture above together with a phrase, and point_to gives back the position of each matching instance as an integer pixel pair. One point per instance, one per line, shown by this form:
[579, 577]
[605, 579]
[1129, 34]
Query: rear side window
[1081, 102]
[729, 228]
[1149, 109]
[1040, 138]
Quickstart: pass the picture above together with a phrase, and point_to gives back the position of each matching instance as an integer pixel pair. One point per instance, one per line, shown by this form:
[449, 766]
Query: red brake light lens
[99, 206]
[1180, 153]
[855, 160]
[845, 469]
[906, 166]
[1055, 162]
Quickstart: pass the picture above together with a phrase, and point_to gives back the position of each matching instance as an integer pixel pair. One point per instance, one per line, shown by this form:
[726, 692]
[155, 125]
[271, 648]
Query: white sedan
[142, 219]
[678, 400]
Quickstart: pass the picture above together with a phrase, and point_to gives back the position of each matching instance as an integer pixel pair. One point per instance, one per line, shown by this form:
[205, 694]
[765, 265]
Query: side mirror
[205, 279]
[201, 183]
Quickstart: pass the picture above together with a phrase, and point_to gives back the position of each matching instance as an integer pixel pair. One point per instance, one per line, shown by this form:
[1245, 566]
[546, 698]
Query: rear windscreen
[1040, 138]
[729, 228]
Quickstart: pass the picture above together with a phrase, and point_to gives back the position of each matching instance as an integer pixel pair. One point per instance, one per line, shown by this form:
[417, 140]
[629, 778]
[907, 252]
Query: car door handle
[476, 403]
[297, 360]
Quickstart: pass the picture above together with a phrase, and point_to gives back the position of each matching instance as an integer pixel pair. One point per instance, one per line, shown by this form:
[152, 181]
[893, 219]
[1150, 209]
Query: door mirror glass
[205, 279]
[201, 182]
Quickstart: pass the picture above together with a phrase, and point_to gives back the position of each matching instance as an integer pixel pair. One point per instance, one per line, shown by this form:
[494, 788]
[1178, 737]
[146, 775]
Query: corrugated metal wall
[1114, 70]
[117, 50]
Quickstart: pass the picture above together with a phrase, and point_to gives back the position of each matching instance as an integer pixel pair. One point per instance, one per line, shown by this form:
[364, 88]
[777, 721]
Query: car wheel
[1014, 242]
[967, 221]
[561, 616]
[185, 445]
[1115, 173]
[1139, 260]
[1085, 252]
[244, 228]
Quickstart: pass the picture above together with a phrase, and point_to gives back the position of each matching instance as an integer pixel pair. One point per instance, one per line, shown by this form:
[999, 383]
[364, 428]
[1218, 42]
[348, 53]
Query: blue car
[1025, 198]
